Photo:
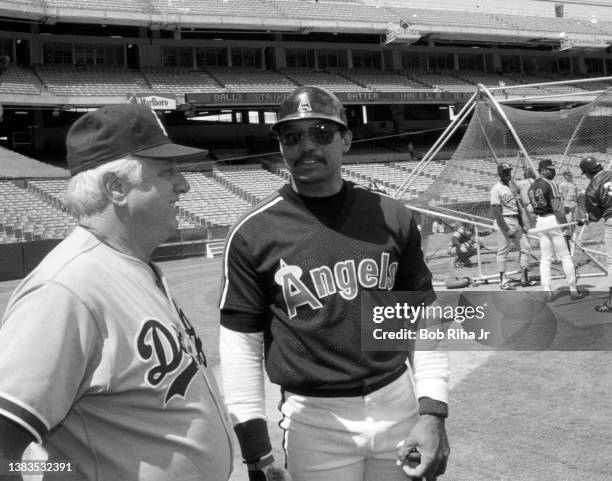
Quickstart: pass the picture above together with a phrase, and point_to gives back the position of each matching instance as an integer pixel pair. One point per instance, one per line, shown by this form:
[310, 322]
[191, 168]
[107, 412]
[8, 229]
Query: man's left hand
[428, 437]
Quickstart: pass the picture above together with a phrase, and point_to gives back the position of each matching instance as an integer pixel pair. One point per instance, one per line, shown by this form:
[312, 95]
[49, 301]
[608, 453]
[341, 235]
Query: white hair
[85, 194]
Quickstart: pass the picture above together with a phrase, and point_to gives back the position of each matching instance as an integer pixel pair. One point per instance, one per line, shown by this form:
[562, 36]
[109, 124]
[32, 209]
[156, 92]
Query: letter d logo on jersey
[304, 105]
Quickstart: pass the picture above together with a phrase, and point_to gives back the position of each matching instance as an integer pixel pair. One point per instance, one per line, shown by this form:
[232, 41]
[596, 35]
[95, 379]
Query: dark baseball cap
[114, 131]
[310, 102]
[546, 164]
[503, 167]
[589, 163]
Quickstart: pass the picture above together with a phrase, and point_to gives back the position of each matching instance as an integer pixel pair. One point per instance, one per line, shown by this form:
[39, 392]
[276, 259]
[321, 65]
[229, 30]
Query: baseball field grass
[514, 415]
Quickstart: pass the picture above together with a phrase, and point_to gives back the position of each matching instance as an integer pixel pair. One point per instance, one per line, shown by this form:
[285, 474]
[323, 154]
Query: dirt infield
[520, 416]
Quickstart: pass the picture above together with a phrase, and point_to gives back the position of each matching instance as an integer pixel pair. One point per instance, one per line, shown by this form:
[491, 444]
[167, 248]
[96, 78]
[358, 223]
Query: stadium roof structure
[311, 16]
[17, 166]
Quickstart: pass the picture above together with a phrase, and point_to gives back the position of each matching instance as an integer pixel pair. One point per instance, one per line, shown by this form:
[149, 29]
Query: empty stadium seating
[209, 203]
[331, 81]
[555, 89]
[242, 79]
[19, 80]
[251, 183]
[602, 26]
[546, 24]
[136, 6]
[66, 80]
[216, 8]
[422, 16]
[180, 80]
[386, 176]
[382, 81]
[441, 81]
[596, 85]
[335, 11]
[92, 80]
[25, 215]
[494, 80]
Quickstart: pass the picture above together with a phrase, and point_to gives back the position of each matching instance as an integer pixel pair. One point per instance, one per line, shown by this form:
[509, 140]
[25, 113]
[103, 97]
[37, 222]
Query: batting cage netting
[453, 193]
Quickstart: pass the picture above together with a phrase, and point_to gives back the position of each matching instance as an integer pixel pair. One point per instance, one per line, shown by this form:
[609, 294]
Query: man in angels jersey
[548, 206]
[598, 205]
[97, 361]
[294, 269]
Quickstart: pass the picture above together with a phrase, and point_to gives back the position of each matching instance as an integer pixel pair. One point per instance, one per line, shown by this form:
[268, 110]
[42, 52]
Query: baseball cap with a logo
[112, 132]
[310, 102]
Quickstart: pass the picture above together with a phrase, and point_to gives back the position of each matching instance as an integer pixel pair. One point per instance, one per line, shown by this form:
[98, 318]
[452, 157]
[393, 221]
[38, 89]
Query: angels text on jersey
[343, 279]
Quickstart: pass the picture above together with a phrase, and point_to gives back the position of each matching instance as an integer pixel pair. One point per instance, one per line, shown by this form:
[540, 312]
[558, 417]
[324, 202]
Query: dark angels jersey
[598, 196]
[541, 194]
[300, 277]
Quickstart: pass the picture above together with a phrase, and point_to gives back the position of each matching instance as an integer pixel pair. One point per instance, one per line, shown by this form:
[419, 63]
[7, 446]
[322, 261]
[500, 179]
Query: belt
[362, 389]
[510, 215]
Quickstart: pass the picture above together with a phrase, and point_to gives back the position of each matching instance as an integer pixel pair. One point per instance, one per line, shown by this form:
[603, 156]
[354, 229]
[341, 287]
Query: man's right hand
[276, 473]
[272, 472]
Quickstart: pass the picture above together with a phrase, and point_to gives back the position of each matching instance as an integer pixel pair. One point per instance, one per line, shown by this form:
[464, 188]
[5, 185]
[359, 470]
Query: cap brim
[196, 165]
[175, 152]
[306, 116]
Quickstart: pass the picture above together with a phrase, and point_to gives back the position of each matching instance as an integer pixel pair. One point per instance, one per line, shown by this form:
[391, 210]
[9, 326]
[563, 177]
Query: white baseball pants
[349, 438]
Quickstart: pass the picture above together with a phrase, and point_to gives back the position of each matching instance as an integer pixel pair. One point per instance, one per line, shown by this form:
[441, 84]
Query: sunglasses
[322, 133]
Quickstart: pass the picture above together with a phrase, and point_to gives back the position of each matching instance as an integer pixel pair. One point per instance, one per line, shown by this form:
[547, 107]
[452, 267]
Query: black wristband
[434, 407]
[254, 439]
[260, 463]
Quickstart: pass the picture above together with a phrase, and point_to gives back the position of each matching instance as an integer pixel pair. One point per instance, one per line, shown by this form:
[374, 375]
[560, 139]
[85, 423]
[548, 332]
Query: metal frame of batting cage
[466, 110]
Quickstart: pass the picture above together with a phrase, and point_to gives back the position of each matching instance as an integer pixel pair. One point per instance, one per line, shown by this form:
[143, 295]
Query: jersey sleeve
[554, 192]
[241, 287]
[46, 343]
[495, 198]
[413, 274]
[591, 203]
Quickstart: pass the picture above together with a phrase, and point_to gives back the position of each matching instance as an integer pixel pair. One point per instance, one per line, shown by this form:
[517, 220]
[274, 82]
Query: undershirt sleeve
[243, 385]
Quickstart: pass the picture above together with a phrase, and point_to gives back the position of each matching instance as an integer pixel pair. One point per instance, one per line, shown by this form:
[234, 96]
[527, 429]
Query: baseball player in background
[569, 194]
[547, 204]
[293, 270]
[462, 246]
[529, 218]
[598, 204]
[97, 360]
[509, 223]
